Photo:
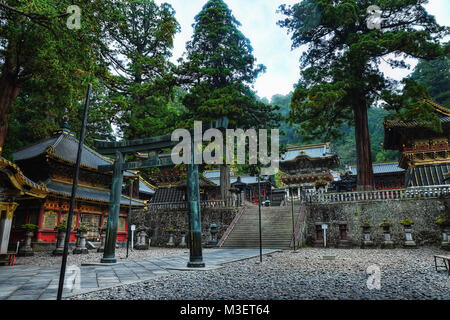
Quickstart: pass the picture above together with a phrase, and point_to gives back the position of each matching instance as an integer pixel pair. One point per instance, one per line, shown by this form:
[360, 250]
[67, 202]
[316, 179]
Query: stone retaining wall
[158, 221]
[424, 213]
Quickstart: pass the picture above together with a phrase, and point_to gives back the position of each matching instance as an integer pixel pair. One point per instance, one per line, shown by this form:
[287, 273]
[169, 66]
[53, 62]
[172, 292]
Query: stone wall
[424, 213]
[158, 221]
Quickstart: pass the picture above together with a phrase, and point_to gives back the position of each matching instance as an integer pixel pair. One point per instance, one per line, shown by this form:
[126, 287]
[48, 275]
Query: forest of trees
[123, 49]
[345, 145]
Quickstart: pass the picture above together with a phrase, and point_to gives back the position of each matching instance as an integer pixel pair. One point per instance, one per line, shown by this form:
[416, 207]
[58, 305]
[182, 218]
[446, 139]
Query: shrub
[29, 227]
[385, 223]
[407, 221]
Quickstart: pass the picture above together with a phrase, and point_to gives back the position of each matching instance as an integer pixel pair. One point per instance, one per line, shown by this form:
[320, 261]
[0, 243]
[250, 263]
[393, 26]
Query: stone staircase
[276, 228]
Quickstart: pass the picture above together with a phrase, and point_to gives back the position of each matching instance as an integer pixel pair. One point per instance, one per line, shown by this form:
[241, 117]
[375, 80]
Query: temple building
[308, 167]
[425, 152]
[14, 186]
[387, 176]
[248, 185]
[50, 162]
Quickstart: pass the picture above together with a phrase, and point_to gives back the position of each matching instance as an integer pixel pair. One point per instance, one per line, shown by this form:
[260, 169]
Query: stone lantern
[141, 239]
[171, 243]
[387, 242]
[26, 250]
[80, 247]
[367, 237]
[213, 230]
[407, 226]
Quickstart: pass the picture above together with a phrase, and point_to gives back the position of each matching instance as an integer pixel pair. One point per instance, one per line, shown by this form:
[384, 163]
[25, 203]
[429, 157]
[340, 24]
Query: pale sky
[271, 44]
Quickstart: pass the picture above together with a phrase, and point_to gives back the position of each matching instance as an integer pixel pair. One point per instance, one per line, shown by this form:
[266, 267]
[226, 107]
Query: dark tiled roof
[411, 124]
[311, 151]
[86, 193]
[168, 195]
[64, 146]
[380, 168]
[426, 175]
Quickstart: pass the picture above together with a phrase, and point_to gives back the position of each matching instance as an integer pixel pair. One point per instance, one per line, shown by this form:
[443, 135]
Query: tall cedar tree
[219, 71]
[39, 52]
[141, 91]
[340, 78]
[435, 75]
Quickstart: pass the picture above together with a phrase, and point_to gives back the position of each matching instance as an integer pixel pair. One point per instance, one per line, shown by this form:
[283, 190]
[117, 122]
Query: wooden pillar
[6, 215]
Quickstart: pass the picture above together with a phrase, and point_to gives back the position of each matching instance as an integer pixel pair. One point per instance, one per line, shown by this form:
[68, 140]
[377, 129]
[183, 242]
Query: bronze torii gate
[155, 143]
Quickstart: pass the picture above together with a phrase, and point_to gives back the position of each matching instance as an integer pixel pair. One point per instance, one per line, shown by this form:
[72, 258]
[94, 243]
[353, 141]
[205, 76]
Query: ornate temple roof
[164, 195]
[62, 145]
[24, 186]
[145, 187]
[397, 132]
[87, 193]
[427, 175]
[379, 168]
[214, 177]
[312, 153]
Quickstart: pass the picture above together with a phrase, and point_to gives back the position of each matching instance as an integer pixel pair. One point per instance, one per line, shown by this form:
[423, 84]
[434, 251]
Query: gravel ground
[305, 274]
[47, 259]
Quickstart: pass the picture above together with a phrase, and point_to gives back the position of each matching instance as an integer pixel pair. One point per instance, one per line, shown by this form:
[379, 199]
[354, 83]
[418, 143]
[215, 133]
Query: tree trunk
[8, 93]
[364, 179]
[224, 182]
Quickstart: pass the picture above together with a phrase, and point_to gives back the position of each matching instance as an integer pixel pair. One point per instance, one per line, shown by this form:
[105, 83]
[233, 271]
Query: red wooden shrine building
[50, 163]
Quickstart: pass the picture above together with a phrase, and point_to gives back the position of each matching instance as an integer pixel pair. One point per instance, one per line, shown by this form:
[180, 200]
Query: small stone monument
[80, 247]
[26, 250]
[60, 237]
[183, 238]
[444, 225]
[171, 243]
[101, 248]
[387, 243]
[142, 243]
[343, 238]
[367, 237]
[445, 244]
[407, 225]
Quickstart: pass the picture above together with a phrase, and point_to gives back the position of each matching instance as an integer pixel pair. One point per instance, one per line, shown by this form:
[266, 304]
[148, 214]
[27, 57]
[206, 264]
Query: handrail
[377, 195]
[230, 227]
[184, 204]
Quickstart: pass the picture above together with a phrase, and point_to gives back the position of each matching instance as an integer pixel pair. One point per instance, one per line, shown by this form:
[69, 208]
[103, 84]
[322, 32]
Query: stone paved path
[41, 283]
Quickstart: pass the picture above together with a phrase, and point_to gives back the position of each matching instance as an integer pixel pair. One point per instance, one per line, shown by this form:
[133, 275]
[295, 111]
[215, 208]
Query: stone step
[276, 225]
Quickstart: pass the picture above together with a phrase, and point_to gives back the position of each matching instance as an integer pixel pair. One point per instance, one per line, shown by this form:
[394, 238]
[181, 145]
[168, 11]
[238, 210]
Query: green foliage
[219, 69]
[385, 223]
[435, 75]
[443, 221]
[409, 106]
[340, 68]
[49, 64]
[142, 95]
[82, 228]
[407, 221]
[29, 227]
[366, 224]
[62, 226]
[345, 145]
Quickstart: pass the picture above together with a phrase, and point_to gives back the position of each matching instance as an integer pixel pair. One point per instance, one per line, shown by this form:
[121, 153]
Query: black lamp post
[259, 212]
